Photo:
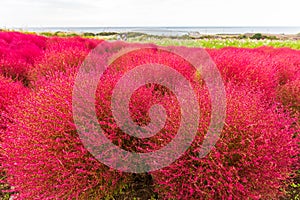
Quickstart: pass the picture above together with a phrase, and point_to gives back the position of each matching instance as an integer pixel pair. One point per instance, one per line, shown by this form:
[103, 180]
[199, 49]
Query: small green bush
[257, 36]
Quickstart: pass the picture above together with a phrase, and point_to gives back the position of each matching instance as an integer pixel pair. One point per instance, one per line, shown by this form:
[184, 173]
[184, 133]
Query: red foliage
[262, 68]
[25, 57]
[10, 93]
[45, 159]
[18, 54]
[289, 95]
[142, 99]
[252, 159]
[62, 54]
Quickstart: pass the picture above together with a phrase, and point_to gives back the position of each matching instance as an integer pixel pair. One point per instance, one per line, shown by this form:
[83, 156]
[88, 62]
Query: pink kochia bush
[142, 99]
[263, 68]
[288, 95]
[44, 158]
[26, 57]
[10, 94]
[252, 159]
[62, 54]
[18, 54]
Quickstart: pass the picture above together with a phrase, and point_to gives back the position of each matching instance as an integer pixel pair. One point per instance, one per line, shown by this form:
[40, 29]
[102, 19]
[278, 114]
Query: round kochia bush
[289, 95]
[44, 158]
[252, 159]
[10, 93]
[18, 54]
[263, 68]
[61, 54]
[143, 98]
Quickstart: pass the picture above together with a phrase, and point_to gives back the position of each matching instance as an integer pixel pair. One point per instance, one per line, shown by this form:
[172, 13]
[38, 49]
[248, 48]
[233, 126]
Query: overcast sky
[45, 13]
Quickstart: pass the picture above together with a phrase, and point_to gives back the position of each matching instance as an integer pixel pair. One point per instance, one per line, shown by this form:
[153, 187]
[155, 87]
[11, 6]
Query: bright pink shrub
[10, 93]
[44, 157]
[287, 64]
[261, 68]
[242, 65]
[13, 66]
[26, 57]
[16, 37]
[289, 95]
[252, 159]
[62, 54]
[142, 99]
[18, 54]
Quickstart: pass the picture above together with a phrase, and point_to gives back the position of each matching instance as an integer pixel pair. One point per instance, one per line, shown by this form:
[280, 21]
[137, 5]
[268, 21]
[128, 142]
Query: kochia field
[42, 156]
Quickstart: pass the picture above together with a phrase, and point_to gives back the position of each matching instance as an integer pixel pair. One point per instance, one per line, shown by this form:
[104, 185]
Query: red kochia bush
[288, 94]
[44, 158]
[26, 57]
[241, 65]
[10, 93]
[252, 159]
[261, 68]
[16, 37]
[142, 99]
[287, 64]
[62, 54]
[18, 54]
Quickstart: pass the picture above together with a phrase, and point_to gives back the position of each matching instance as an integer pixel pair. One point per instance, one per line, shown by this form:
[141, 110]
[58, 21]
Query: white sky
[43, 13]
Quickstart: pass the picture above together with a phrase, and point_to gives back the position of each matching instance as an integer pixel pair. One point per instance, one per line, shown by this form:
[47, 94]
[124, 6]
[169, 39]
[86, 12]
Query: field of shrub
[42, 156]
